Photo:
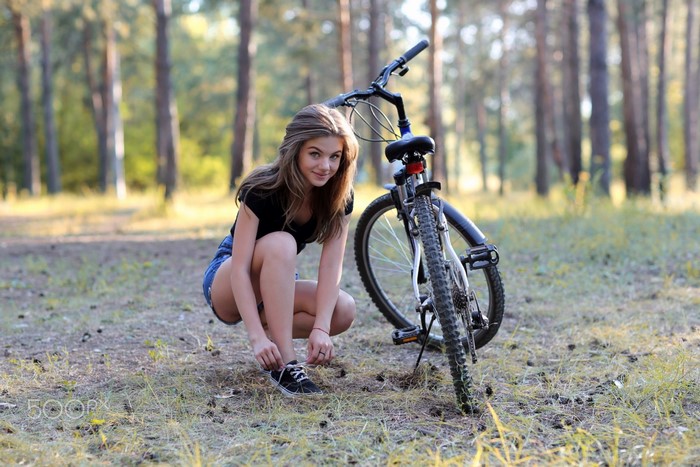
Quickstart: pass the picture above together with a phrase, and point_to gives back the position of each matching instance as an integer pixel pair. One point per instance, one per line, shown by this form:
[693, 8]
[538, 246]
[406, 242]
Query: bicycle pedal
[406, 335]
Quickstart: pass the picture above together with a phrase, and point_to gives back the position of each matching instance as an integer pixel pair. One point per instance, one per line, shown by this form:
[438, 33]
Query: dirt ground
[595, 361]
[107, 303]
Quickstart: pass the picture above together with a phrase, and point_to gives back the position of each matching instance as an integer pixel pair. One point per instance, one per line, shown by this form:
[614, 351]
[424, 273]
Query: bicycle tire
[442, 300]
[384, 261]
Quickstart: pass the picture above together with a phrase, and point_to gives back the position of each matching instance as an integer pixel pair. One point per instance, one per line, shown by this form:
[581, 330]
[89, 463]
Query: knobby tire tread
[443, 303]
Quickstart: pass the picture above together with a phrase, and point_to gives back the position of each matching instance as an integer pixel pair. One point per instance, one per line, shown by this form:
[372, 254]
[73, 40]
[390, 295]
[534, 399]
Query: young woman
[304, 195]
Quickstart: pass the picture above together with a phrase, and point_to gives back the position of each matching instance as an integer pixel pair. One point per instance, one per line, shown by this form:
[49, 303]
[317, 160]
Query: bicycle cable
[378, 117]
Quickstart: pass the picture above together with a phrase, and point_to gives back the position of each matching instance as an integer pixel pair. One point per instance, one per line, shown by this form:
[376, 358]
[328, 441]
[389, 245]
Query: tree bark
[242, 146]
[642, 53]
[345, 45]
[690, 108]
[460, 106]
[167, 129]
[437, 130]
[633, 104]
[663, 156]
[572, 101]
[119, 178]
[31, 180]
[600, 110]
[503, 97]
[308, 52]
[108, 101]
[541, 102]
[96, 106]
[53, 168]
[375, 45]
[480, 115]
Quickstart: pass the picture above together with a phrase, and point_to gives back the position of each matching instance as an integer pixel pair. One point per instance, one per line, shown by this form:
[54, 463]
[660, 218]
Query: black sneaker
[292, 380]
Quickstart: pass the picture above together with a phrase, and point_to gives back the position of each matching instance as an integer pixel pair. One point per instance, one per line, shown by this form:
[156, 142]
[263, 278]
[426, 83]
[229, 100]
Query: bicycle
[403, 246]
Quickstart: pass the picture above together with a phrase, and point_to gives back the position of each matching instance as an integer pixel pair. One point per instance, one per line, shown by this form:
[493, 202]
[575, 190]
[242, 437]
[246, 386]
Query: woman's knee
[345, 312]
[278, 245]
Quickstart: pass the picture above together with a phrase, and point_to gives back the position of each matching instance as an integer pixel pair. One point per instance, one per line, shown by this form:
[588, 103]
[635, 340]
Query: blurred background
[125, 96]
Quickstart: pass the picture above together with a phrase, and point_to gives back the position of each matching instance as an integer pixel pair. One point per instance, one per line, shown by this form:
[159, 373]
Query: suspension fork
[456, 263]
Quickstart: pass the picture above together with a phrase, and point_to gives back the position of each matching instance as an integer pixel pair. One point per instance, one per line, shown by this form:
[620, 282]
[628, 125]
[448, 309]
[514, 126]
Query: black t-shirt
[270, 213]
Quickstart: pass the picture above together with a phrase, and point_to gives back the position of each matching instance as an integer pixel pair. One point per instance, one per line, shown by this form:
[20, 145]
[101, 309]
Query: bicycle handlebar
[415, 50]
[379, 83]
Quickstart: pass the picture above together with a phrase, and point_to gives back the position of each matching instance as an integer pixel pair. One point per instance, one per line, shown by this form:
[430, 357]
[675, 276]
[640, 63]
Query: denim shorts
[223, 252]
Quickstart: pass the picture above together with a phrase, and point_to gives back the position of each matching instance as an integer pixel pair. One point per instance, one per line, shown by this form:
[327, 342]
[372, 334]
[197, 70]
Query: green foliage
[204, 39]
[78, 149]
[199, 170]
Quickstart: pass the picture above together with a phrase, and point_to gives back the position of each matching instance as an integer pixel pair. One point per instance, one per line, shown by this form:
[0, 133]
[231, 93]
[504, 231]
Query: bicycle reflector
[413, 168]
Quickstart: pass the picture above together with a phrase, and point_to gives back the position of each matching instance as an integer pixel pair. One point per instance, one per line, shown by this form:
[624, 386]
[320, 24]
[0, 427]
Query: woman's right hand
[267, 354]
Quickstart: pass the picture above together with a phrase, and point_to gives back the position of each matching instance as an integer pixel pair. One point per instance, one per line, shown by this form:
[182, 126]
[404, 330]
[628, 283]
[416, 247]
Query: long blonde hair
[283, 176]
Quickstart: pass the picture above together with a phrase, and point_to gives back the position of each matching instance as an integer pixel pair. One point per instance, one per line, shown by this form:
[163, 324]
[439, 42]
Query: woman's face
[319, 159]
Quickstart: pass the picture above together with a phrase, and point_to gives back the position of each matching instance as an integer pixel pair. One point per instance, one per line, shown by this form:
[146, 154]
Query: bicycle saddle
[396, 149]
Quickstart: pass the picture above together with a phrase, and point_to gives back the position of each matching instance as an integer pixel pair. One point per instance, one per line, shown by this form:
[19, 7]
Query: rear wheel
[384, 260]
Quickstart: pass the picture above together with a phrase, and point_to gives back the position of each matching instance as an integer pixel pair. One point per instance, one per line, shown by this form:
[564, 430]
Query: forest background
[126, 95]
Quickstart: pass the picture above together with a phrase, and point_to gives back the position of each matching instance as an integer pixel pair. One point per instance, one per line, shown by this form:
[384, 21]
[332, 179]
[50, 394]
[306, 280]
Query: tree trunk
[242, 146]
[572, 100]
[460, 106]
[694, 160]
[661, 111]
[309, 52]
[480, 114]
[437, 130]
[503, 97]
[374, 42]
[31, 180]
[633, 104]
[119, 178]
[97, 107]
[641, 22]
[541, 107]
[345, 45]
[108, 99]
[690, 109]
[53, 168]
[167, 129]
[600, 110]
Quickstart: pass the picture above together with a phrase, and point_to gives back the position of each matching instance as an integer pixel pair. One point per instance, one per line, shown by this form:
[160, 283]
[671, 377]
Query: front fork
[465, 301]
[456, 270]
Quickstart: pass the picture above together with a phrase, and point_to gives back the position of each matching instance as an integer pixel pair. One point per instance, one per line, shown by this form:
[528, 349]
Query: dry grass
[109, 354]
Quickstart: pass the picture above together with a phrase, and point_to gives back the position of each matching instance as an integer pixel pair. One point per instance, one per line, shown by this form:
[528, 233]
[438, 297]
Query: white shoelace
[297, 371]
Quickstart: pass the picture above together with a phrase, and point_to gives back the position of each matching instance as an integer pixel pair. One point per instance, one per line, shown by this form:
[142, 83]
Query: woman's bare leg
[305, 310]
[272, 277]
[275, 259]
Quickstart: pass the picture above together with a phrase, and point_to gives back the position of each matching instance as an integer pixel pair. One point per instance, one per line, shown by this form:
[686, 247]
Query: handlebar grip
[415, 50]
[334, 102]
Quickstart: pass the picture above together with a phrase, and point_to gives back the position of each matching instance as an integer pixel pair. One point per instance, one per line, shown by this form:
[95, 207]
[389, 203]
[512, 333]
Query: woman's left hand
[320, 348]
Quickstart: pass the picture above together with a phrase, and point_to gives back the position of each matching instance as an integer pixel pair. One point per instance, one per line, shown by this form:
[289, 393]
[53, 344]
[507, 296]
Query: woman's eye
[335, 157]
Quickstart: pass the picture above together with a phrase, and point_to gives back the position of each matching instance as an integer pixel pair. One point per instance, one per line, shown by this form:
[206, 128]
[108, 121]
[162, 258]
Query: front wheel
[384, 260]
[441, 295]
